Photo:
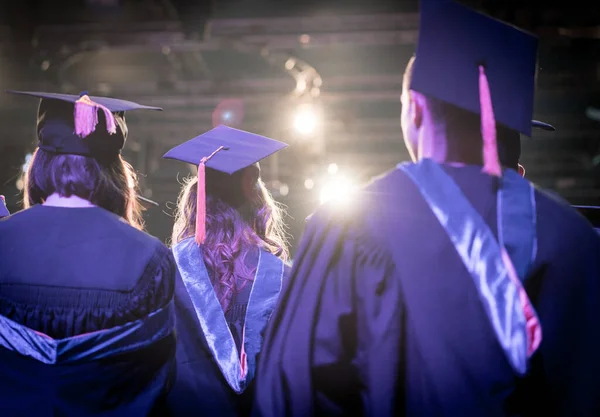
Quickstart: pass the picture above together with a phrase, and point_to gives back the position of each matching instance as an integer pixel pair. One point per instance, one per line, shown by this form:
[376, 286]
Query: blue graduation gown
[86, 315]
[351, 342]
[209, 380]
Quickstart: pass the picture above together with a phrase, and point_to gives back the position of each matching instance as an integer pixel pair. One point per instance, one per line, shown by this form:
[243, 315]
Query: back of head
[462, 130]
[241, 216]
[80, 139]
[107, 183]
[488, 81]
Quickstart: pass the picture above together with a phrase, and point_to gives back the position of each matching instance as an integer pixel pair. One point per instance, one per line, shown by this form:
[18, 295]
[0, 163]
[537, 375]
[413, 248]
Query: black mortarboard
[69, 124]
[454, 40]
[241, 149]
[479, 64]
[3, 210]
[223, 149]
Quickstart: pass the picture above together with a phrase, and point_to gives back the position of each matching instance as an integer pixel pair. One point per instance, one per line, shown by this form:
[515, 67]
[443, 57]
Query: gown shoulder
[92, 271]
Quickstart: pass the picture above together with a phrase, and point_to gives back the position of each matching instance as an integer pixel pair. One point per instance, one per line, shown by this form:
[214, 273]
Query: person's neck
[56, 200]
[432, 145]
[435, 145]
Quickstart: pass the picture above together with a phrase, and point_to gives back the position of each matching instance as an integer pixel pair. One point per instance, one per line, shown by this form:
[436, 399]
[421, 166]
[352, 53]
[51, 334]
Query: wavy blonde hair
[231, 234]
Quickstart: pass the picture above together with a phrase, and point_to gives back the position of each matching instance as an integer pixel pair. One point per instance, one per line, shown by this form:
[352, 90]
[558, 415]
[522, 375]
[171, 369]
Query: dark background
[192, 57]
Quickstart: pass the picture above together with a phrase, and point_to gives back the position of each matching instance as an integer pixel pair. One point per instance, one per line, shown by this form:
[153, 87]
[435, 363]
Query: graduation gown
[86, 315]
[381, 317]
[217, 353]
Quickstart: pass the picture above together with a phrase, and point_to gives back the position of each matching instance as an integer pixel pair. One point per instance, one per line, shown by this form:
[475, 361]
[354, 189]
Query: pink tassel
[491, 161]
[243, 356]
[532, 324]
[201, 203]
[201, 197]
[86, 117]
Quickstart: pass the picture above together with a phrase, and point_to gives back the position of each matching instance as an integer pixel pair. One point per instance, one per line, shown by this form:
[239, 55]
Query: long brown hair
[109, 184]
[231, 234]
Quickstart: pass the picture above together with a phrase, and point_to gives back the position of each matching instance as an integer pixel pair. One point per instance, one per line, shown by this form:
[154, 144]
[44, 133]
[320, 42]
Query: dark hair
[463, 130]
[109, 184]
[231, 233]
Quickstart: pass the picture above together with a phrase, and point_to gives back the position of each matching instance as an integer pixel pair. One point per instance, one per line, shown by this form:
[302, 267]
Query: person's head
[79, 153]
[241, 216]
[109, 184]
[433, 128]
[467, 97]
[227, 209]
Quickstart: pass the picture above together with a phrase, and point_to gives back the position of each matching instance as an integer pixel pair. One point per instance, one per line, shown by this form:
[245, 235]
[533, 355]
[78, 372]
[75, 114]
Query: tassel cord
[201, 197]
[86, 117]
[491, 161]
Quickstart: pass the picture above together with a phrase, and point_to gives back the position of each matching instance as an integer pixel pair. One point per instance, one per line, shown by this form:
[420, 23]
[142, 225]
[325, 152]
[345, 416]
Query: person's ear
[416, 107]
[521, 170]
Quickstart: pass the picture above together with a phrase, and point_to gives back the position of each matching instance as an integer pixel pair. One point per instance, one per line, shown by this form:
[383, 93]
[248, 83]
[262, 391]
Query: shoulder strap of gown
[493, 274]
[236, 367]
[263, 300]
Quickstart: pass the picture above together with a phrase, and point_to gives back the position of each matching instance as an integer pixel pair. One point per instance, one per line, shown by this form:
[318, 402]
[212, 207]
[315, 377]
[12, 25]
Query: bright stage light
[309, 184]
[284, 190]
[338, 190]
[593, 113]
[290, 64]
[305, 120]
[227, 116]
[332, 169]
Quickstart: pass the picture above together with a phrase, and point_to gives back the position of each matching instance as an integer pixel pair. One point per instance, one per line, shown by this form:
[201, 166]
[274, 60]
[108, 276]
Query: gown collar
[238, 368]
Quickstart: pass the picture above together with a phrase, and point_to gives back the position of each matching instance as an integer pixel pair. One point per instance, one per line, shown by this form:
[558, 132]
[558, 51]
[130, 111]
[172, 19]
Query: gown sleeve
[358, 324]
[566, 295]
[343, 293]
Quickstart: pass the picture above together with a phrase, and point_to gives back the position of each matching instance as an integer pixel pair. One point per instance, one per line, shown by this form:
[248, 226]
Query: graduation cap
[70, 124]
[542, 125]
[223, 149]
[3, 210]
[478, 64]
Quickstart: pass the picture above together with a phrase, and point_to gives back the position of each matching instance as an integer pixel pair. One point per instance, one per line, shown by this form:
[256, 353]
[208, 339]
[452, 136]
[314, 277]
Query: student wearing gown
[86, 312]
[452, 287]
[229, 245]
